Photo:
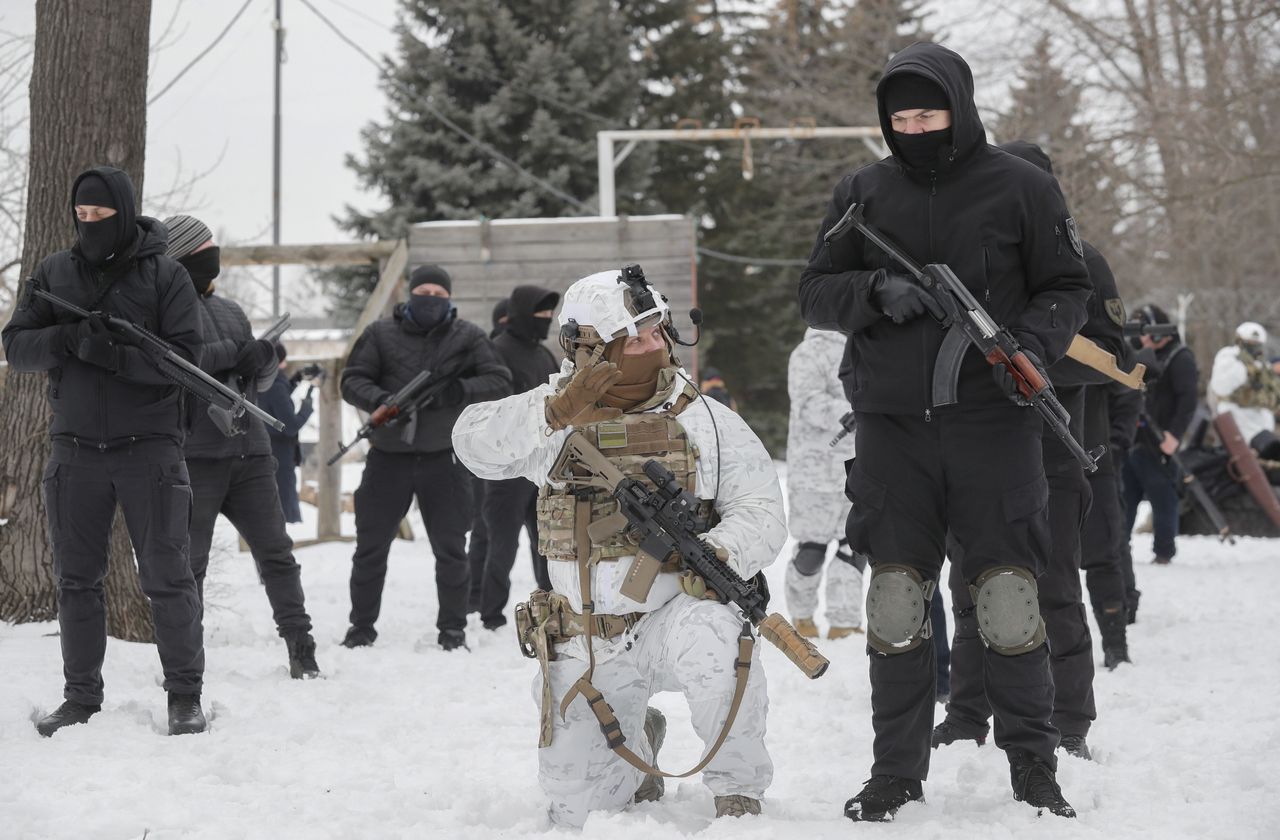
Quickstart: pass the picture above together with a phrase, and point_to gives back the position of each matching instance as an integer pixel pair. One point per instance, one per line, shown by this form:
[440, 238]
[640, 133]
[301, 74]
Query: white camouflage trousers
[688, 646]
[819, 516]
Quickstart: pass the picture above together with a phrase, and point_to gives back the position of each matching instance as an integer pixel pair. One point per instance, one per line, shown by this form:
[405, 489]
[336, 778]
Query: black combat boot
[948, 732]
[302, 655]
[881, 797]
[1112, 622]
[185, 715]
[1075, 745]
[452, 640]
[1036, 783]
[359, 637]
[68, 714]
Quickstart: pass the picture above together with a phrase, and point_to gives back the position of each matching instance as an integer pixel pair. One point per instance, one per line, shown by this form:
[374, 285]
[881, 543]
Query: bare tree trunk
[88, 107]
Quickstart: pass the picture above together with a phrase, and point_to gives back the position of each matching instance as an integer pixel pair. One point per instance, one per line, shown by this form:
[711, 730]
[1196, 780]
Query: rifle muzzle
[795, 647]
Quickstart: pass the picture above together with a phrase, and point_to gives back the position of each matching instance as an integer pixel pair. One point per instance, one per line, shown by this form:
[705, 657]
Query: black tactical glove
[1004, 378]
[901, 298]
[75, 332]
[254, 356]
[98, 346]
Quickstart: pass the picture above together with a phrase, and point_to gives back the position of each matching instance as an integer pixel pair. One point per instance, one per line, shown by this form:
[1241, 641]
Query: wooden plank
[392, 276]
[344, 253]
[329, 489]
[602, 249]
[572, 229]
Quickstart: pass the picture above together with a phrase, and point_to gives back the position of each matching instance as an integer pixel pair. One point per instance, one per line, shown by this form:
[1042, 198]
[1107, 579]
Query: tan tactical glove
[695, 586]
[576, 404]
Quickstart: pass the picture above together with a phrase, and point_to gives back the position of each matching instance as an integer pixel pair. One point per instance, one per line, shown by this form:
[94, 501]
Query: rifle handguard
[795, 647]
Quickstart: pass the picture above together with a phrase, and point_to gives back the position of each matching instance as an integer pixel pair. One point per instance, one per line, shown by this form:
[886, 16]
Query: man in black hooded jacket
[117, 434]
[975, 468]
[416, 458]
[1070, 497]
[235, 475]
[511, 504]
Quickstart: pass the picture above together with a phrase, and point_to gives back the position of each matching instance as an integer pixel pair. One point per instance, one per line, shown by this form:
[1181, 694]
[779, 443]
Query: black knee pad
[809, 558]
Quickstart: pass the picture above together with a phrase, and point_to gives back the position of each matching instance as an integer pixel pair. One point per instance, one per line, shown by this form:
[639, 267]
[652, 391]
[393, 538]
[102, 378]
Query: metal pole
[604, 170]
[275, 162]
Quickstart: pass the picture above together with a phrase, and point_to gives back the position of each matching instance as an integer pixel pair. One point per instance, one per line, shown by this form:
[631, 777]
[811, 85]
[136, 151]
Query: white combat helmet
[605, 303]
[1252, 332]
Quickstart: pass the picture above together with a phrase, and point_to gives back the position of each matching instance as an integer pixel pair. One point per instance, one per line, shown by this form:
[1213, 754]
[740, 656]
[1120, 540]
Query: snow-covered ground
[403, 740]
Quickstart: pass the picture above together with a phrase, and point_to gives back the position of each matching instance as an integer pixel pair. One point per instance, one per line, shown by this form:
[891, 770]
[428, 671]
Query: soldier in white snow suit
[623, 388]
[1245, 385]
[816, 505]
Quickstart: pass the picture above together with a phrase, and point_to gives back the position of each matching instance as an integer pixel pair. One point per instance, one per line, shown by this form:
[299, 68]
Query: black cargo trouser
[1103, 544]
[477, 545]
[978, 473]
[82, 486]
[1065, 621]
[509, 505]
[244, 490]
[390, 482]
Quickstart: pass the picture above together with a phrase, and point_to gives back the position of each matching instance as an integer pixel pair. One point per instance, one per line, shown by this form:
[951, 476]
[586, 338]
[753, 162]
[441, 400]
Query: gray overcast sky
[222, 107]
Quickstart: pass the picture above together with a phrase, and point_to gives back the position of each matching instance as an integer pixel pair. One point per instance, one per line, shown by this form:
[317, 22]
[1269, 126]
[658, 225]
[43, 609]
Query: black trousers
[388, 486]
[508, 506]
[245, 491]
[1065, 620]
[1104, 544]
[477, 545]
[82, 487]
[978, 474]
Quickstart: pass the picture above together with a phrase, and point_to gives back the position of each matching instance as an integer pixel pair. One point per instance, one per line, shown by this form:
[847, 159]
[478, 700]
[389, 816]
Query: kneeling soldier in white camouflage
[620, 624]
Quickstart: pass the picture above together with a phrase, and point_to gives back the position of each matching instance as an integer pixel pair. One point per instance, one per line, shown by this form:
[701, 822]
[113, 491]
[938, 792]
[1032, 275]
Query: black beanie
[93, 191]
[909, 91]
[430, 274]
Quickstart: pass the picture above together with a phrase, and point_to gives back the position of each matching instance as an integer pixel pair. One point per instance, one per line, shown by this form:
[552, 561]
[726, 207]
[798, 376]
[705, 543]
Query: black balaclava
[428, 311]
[102, 241]
[523, 303]
[908, 92]
[186, 234]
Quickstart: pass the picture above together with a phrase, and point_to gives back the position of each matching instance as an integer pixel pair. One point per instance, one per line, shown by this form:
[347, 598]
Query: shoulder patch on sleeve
[1115, 310]
[1073, 236]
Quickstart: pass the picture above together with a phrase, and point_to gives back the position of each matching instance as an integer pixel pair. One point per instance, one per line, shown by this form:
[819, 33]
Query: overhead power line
[202, 53]
[761, 261]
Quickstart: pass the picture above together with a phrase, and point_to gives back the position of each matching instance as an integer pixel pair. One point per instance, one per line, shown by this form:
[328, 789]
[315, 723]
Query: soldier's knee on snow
[809, 558]
[1007, 607]
[898, 608]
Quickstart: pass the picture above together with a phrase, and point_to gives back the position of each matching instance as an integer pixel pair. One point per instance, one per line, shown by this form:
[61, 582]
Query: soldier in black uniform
[1070, 496]
[416, 459]
[510, 504]
[974, 468]
[117, 439]
[236, 475]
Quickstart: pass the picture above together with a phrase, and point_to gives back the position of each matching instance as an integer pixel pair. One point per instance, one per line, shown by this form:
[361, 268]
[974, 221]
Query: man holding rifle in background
[117, 435]
[411, 453]
[230, 463]
[925, 466]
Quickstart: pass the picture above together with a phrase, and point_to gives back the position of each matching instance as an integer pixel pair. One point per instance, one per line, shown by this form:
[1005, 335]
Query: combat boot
[358, 636]
[68, 714]
[1035, 783]
[736, 805]
[302, 655]
[1115, 643]
[948, 732]
[185, 714]
[655, 732]
[805, 627]
[834, 632]
[881, 797]
[452, 640]
[1075, 745]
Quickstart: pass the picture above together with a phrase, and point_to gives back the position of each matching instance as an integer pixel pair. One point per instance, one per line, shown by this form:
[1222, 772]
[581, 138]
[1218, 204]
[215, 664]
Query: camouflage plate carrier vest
[1261, 389]
[628, 442]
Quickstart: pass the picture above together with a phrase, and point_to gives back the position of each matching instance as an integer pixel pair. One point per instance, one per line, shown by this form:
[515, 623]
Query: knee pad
[1007, 606]
[846, 554]
[898, 608]
[809, 558]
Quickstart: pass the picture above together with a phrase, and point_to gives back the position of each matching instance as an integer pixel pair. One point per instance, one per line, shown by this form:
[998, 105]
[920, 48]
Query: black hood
[950, 72]
[124, 222]
[524, 301]
[1029, 152]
